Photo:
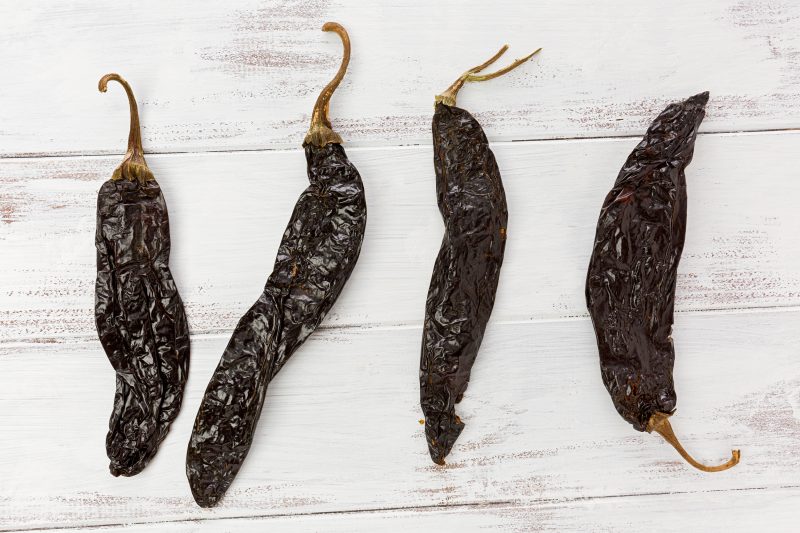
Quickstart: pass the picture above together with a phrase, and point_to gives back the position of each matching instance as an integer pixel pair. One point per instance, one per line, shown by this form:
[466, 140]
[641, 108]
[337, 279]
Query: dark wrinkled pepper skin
[472, 202]
[140, 320]
[316, 257]
[630, 287]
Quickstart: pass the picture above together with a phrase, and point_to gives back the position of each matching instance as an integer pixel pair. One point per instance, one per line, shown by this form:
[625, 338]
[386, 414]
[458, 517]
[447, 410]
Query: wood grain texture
[244, 74]
[228, 211]
[729, 511]
[225, 87]
[340, 430]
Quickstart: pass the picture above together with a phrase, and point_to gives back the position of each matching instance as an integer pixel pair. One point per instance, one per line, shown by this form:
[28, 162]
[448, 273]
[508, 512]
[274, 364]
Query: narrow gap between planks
[216, 333]
[356, 147]
[493, 505]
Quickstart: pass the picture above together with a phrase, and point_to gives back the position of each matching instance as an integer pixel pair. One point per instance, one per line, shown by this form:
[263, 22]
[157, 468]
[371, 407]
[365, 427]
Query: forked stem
[133, 166]
[448, 97]
[659, 423]
[320, 133]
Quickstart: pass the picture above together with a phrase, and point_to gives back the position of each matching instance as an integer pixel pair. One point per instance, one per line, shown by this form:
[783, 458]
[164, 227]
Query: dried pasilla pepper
[138, 311]
[464, 281]
[630, 286]
[317, 254]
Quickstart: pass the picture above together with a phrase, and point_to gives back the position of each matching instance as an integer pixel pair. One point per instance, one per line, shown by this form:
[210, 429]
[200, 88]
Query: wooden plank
[340, 428]
[244, 75]
[730, 511]
[228, 212]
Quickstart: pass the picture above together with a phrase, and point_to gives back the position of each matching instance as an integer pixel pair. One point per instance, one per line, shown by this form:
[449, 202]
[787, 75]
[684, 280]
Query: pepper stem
[659, 423]
[449, 96]
[320, 132]
[133, 166]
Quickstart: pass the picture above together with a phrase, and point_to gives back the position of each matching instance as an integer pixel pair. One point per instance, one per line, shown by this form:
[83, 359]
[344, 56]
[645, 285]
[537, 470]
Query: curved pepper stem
[449, 96]
[133, 166]
[320, 132]
[659, 423]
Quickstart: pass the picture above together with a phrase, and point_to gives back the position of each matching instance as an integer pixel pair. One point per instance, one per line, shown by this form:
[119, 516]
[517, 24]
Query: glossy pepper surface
[630, 286]
[318, 252]
[138, 312]
[461, 295]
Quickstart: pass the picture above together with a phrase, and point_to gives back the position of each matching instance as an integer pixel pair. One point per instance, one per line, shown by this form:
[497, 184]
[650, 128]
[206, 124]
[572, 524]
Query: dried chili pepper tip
[442, 432]
[206, 495]
[448, 97]
[699, 99]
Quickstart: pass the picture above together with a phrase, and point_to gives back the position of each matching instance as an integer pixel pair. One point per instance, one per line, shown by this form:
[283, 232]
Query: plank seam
[215, 333]
[359, 148]
[511, 504]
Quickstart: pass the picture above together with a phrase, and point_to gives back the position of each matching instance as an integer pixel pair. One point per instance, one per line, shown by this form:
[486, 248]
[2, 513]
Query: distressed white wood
[729, 511]
[228, 212]
[244, 74]
[340, 428]
[339, 447]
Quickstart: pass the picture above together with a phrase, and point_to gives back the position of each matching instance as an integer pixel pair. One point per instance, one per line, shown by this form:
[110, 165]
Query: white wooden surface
[225, 91]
